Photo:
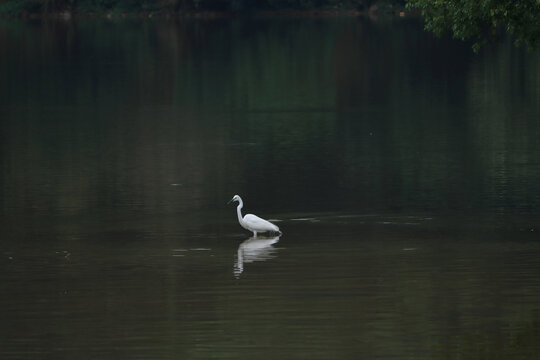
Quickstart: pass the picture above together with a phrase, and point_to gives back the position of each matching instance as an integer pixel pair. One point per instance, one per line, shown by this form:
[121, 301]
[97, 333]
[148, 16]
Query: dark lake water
[403, 170]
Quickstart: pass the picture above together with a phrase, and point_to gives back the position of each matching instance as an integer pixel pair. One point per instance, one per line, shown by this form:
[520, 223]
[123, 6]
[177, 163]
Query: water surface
[403, 170]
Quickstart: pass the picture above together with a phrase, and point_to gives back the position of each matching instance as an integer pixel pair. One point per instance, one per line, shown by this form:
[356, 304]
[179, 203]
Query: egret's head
[235, 198]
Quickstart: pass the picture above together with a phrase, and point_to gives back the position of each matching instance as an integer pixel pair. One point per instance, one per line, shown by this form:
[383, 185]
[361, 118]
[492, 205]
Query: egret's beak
[230, 201]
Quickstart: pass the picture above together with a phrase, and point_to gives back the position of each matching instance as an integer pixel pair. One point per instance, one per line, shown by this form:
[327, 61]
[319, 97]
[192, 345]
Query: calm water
[403, 170]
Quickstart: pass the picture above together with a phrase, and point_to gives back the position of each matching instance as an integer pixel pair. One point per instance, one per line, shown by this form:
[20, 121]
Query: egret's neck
[239, 210]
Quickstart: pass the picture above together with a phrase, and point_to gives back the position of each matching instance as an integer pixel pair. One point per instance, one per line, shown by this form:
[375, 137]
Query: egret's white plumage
[252, 222]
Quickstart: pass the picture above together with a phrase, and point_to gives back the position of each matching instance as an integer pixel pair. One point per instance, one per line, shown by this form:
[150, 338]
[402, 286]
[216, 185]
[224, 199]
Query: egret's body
[252, 222]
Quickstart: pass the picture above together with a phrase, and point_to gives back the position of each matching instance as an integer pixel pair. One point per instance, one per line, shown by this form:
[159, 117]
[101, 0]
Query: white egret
[252, 222]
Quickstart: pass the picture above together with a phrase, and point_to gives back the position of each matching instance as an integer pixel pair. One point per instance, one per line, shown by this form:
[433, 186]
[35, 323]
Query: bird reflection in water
[254, 249]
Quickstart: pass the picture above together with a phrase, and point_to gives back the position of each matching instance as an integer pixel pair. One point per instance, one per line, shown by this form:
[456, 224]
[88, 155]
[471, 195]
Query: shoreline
[313, 13]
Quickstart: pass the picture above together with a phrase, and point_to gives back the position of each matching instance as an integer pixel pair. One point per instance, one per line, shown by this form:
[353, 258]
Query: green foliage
[483, 20]
[119, 5]
[17, 7]
[14, 7]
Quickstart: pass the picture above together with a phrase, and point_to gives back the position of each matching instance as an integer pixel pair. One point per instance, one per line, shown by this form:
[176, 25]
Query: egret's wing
[256, 223]
[254, 220]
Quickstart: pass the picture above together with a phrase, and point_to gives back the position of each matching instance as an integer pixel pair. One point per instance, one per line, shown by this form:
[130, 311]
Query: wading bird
[252, 222]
